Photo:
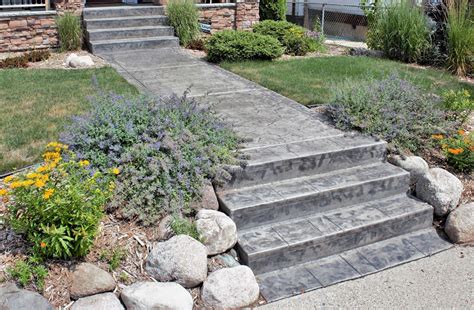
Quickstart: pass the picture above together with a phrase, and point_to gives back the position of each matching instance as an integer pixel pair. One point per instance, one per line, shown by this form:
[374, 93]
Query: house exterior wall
[240, 15]
[21, 31]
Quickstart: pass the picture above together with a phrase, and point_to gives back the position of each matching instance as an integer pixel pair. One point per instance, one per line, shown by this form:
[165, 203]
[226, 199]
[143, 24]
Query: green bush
[392, 109]
[272, 9]
[23, 60]
[27, 272]
[240, 45]
[460, 30]
[458, 150]
[70, 32]
[293, 37]
[184, 16]
[458, 104]
[58, 206]
[402, 32]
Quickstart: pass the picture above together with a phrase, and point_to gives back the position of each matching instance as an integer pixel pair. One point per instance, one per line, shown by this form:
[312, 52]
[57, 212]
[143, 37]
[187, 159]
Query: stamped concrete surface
[314, 206]
[442, 281]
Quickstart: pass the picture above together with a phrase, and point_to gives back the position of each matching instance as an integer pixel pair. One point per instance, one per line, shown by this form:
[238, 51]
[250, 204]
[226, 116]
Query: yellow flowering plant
[458, 149]
[58, 206]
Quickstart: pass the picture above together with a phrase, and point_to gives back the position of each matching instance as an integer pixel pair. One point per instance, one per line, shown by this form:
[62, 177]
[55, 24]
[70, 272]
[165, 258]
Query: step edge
[134, 40]
[125, 18]
[104, 30]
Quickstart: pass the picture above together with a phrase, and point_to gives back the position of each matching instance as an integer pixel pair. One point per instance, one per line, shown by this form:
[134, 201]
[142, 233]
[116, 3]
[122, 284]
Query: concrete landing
[315, 206]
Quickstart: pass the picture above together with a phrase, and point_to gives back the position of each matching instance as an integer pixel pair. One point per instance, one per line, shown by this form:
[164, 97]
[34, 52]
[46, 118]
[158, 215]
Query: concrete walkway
[443, 281]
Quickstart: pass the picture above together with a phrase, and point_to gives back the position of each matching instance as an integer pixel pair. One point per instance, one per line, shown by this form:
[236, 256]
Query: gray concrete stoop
[123, 28]
[315, 206]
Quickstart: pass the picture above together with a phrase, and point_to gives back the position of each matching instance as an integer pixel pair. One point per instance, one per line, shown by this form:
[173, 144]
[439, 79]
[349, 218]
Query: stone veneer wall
[240, 15]
[21, 31]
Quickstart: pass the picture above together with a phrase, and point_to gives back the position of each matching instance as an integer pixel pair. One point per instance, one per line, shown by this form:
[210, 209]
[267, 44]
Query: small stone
[208, 198]
[13, 298]
[440, 189]
[217, 231]
[153, 295]
[164, 228]
[75, 61]
[181, 259]
[106, 301]
[234, 287]
[88, 279]
[460, 224]
[416, 165]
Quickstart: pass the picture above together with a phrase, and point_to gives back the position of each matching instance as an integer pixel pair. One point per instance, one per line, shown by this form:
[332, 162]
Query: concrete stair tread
[350, 264]
[296, 232]
[131, 40]
[124, 18]
[248, 197]
[129, 28]
[274, 153]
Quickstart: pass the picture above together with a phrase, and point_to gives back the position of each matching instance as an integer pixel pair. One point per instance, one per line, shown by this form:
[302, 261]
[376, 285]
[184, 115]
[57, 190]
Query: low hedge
[294, 38]
[240, 45]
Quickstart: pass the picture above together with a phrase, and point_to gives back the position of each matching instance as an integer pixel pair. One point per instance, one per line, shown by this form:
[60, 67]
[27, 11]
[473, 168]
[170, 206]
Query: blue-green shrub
[272, 9]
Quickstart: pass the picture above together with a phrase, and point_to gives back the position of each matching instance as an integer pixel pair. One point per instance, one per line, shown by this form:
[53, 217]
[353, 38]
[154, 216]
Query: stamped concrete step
[350, 264]
[123, 22]
[122, 11]
[129, 32]
[309, 157]
[269, 203]
[105, 46]
[298, 241]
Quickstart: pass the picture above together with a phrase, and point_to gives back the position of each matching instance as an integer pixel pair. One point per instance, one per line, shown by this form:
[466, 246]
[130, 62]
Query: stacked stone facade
[27, 31]
[246, 14]
[221, 16]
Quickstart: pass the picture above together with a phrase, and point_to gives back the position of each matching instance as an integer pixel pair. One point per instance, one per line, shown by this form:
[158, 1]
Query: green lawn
[311, 80]
[36, 104]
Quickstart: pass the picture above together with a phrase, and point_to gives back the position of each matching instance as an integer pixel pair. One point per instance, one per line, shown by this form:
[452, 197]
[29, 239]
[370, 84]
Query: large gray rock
[440, 189]
[216, 230]
[208, 198]
[460, 224]
[88, 279]
[234, 287]
[13, 298]
[181, 259]
[153, 295]
[106, 301]
[416, 165]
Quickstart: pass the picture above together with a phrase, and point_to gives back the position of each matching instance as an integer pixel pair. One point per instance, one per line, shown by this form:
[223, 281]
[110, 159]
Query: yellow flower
[111, 186]
[8, 179]
[3, 192]
[437, 137]
[16, 185]
[32, 175]
[83, 163]
[28, 183]
[42, 169]
[40, 183]
[48, 193]
[455, 151]
[115, 171]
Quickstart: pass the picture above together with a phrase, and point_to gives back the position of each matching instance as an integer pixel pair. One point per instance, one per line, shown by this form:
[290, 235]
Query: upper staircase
[321, 211]
[123, 28]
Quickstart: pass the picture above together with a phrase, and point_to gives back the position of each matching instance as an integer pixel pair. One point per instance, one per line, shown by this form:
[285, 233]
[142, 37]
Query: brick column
[246, 14]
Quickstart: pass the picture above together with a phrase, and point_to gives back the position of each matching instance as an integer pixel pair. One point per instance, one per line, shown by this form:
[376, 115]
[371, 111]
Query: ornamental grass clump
[184, 18]
[164, 148]
[58, 206]
[392, 109]
[69, 31]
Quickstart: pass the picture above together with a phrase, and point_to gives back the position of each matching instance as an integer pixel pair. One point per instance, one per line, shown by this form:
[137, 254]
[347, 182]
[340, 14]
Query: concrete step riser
[337, 243]
[123, 46]
[139, 22]
[123, 12]
[130, 33]
[318, 202]
[306, 166]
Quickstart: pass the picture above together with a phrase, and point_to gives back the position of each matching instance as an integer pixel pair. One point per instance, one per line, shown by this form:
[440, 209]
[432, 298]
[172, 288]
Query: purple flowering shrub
[164, 148]
[392, 109]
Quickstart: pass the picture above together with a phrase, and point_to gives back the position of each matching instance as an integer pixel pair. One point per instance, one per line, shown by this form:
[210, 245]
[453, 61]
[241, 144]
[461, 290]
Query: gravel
[445, 280]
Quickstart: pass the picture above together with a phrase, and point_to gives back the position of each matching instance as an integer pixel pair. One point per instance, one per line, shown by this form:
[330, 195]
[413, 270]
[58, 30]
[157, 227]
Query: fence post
[306, 15]
[322, 18]
[47, 5]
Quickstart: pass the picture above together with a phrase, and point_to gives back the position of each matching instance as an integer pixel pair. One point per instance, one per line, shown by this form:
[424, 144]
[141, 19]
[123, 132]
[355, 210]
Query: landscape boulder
[106, 301]
[181, 259]
[208, 198]
[13, 298]
[153, 295]
[216, 230]
[440, 189]
[416, 165]
[234, 287]
[460, 224]
[75, 61]
[88, 279]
